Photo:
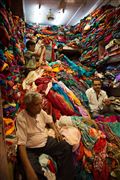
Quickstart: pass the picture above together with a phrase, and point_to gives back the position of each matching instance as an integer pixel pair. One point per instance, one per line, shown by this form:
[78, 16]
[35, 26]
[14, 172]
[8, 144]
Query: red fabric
[53, 52]
[80, 152]
[42, 88]
[61, 38]
[108, 38]
[52, 167]
[45, 31]
[111, 118]
[100, 145]
[59, 103]
[4, 36]
[5, 18]
[42, 84]
[42, 80]
[47, 106]
[56, 114]
[102, 175]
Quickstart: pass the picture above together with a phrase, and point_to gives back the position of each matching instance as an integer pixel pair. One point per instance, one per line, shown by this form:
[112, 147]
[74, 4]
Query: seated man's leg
[33, 158]
[94, 114]
[108, 109]
[62, 154]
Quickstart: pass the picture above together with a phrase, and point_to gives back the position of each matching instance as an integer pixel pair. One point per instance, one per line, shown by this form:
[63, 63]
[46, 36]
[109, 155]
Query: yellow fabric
[8, 121]
[56, 69]
[9, 56]
[4, 66]
[89, 18]
[74, 98]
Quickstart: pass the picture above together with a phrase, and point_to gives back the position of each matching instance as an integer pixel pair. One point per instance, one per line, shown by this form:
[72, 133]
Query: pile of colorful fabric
[63, 85]
[11, 58]
[97, 155]
[99, 26]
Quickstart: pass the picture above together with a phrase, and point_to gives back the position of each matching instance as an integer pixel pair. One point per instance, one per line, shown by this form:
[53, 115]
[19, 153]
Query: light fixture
[63, 10]
[50, 15]
[39, 5]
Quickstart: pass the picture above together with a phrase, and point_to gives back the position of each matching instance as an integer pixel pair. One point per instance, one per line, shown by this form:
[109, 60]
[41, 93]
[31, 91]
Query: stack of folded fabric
[11, 59]
[101, 25]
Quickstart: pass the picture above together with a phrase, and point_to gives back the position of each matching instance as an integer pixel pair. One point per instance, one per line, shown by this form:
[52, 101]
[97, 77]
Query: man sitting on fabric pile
[98, 100]
[33, 140]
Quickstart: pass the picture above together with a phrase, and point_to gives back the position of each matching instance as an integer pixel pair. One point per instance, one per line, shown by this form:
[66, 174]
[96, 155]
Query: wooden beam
[17, 8]
[4, 169]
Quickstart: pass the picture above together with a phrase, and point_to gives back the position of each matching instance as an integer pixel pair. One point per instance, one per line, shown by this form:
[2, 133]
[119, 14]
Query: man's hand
[107, 102]
[61, 56]
[58, 136]
[57, 133]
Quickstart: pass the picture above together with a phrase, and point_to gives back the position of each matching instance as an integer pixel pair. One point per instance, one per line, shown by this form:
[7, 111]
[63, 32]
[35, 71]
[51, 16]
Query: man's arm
[106, 100]
[48, 119]
[30, 173]
[57, 133]
[88, 94]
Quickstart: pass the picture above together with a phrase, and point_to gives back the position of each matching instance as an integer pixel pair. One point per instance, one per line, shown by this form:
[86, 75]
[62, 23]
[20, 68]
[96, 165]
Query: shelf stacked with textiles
[109, 63]
[11, 58]
[101, 25]
[113, 48]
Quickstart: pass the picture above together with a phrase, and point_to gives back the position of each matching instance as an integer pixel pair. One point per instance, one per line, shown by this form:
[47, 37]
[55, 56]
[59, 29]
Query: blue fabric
[61, 91]
[81, 71]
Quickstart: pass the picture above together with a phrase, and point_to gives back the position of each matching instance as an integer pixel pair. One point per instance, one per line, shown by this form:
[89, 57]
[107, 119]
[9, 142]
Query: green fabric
[115, 127]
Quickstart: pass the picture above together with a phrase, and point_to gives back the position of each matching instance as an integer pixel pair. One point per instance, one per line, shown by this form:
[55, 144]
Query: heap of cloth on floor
[96, 143]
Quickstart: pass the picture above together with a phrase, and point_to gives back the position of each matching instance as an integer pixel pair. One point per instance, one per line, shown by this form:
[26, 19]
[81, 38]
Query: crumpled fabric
[89, 139]
[49, 166]
[81, 71]
[100, 154]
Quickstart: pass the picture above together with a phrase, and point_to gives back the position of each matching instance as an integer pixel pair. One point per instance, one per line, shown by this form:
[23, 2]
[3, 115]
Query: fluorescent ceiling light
[90, 10]
[73, 15]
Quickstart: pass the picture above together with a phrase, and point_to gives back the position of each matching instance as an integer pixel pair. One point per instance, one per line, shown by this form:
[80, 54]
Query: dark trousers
[61, 152]
[106, 109]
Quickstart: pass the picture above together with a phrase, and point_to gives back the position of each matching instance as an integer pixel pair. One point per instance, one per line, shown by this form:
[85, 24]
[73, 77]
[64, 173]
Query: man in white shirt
[98, 100]
[33, 140]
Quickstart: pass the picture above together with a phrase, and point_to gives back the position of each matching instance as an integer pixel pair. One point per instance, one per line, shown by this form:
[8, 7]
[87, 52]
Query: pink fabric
[111, 118]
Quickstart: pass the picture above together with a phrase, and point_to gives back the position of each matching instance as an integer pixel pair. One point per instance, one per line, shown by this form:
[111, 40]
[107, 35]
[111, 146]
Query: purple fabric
[118, 77]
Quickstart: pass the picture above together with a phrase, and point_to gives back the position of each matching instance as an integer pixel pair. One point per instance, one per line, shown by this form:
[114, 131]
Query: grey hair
[31, 96]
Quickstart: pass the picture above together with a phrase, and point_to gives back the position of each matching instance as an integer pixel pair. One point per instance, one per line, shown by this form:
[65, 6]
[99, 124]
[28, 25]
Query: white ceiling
[74, 10]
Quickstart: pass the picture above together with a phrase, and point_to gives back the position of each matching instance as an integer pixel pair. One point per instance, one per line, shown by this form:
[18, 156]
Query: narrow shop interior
[60, 66]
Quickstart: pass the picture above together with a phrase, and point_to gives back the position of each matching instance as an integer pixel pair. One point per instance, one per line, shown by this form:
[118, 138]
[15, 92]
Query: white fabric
[94, 103]
[49, 86]
[64, 121]
[31, 77]
[38, 48]
[44, 161]
[31, 131]
[70, 133]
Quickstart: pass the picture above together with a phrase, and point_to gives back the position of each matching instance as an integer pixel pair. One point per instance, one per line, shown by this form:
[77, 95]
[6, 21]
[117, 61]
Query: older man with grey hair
[33, 140]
